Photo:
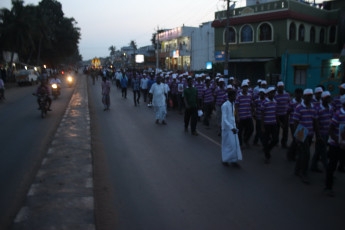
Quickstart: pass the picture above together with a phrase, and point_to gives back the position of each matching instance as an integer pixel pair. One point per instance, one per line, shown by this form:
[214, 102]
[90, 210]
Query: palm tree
[112, 50]
[133, 44]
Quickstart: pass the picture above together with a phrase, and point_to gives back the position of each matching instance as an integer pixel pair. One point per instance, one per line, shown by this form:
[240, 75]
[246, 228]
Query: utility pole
[226, 53]
[157, 48]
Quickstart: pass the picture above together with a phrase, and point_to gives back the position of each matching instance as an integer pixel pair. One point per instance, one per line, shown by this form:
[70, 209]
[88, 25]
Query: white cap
[325, 94]
[217, 78]
[229, 86]
[262, 90]
[197, 75]
[263, 82]
[208, 78]
[221, 80]
[342, 86]
[174, 76]
[342, 99]
[318, 90]
[244, 83]
[259, 81]
[218, 74]
[308, 92]
[280, 83]
[232, 78]
[189, 77]
[270, 89]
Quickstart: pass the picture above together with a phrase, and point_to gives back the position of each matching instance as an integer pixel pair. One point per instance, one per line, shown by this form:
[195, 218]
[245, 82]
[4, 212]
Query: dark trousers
[270, 139]
[303, 156]
[320, 152]
[136, 96]
[258, 132]
[246, 127]
[192, 115]
[124, 92]
[208, 109]
[285, 127]
[291, 153]
[144, 91]
[334, 155]
[180, 102]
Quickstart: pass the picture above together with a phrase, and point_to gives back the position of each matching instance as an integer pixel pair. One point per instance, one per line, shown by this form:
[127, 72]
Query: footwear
[186, 130]
[104, 109]
[49, 109]
[267, 161]
[329, 192]
[305, 179]
[157, 121]
[341, 169]
[195, 133]
[235, 165]
[163, 122]
[226, 164]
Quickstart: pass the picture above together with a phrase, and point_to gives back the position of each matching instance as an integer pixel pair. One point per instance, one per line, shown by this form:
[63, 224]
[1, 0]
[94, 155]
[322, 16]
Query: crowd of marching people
[311, 116]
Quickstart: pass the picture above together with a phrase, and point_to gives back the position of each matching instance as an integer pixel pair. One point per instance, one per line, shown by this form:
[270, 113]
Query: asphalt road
[24, 138]
[150, 176]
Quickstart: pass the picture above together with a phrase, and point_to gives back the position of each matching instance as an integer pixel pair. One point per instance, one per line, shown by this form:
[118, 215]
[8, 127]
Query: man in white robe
[231, 150]
[159, 93]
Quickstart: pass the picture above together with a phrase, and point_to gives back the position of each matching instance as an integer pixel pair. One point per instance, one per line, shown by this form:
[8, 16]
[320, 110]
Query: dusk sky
[110, 22]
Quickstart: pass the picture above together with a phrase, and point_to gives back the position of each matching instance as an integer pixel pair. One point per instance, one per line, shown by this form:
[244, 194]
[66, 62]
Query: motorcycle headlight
[54, 86]
[69, 79]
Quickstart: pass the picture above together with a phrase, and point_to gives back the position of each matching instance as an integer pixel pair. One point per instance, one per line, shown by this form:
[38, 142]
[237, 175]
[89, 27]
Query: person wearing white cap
[220, 96]
[282, 98]
[305, 118]
[144, 85]
[231, 150]
[317, 96]
[257, 87]
[199, 85]
[324, 117]
[258, 115]
[336, 145]
[244, 114]
[263, 84]
[159, 95]
[208, 101]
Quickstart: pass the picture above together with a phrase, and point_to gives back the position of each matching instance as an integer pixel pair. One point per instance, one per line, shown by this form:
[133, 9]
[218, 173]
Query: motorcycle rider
[56, 81]
[43, 89]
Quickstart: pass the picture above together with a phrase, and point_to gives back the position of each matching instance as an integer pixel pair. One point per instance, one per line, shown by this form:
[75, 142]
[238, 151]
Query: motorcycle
[55, 90]
[69, 81]
[43, 104]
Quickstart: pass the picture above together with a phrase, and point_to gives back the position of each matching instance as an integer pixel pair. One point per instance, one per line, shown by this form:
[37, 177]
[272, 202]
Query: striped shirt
[269, 110]
[337, 120]
[208, 95]
[292, 106]
[305, 117]
[316, 103]
[324, 116]
[336, 103]
[221, 96]
[258, 111]
[200, 87]
[244, 103]
[282, 103]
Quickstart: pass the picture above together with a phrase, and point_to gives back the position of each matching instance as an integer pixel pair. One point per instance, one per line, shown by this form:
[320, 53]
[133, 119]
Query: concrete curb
[61, 196]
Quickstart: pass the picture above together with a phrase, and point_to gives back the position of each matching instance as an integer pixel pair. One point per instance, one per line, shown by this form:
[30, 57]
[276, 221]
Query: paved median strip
[61, 196]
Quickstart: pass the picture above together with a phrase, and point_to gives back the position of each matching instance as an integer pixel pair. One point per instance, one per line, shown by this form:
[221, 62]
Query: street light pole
[157, 48]
[226, 53]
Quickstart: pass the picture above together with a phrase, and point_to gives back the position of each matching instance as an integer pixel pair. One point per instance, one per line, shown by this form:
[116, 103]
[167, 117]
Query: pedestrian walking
[305, 116]
[136, 90]
[337, 145]
[269, 123]
[220, 96]
[144, 86]
[105, 93]
[244, 113]
[208, 101]
[258, 116]
[282, 98]
[159, 94]
[231, 150]
[2, 89]
[324, 117]
[190, 96]
[124, 83]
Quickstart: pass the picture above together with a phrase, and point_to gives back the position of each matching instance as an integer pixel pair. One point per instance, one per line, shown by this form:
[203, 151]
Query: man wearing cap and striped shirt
[244, 114]
[208, 101]
[220, 96]
[282, 98]
[269, 123]
[337, 144]
[324, 117]
[305, 115]
[258, 115]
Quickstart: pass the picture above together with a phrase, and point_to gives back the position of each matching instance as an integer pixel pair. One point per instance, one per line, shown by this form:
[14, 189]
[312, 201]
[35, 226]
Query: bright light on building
[26, 67]
[335, 62]
[35, 68]
[45, 66]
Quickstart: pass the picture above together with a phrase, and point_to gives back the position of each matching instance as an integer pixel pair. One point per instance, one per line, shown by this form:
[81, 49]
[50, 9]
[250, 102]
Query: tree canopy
[40, 34]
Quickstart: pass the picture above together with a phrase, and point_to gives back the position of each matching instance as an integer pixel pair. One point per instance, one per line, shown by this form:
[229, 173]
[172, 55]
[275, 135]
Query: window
[301, 32]
[332, 34]
[300, 77]
[312, 35]
[322, 36]
[232, 35]
[246, 34]
[292, 32]
[265, 32]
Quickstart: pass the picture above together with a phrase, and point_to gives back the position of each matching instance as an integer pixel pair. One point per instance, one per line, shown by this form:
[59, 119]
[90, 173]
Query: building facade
[259, 35]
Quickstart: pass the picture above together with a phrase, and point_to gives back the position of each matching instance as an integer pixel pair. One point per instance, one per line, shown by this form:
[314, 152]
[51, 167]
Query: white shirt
[56, 81]
[144, 82]
[158, 92]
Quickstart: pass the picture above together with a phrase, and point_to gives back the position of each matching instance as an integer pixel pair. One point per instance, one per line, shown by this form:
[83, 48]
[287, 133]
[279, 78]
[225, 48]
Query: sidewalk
[61, 196]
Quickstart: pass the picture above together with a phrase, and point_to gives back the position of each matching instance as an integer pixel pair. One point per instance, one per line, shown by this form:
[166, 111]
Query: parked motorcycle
[70, 81]
[55, 90]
